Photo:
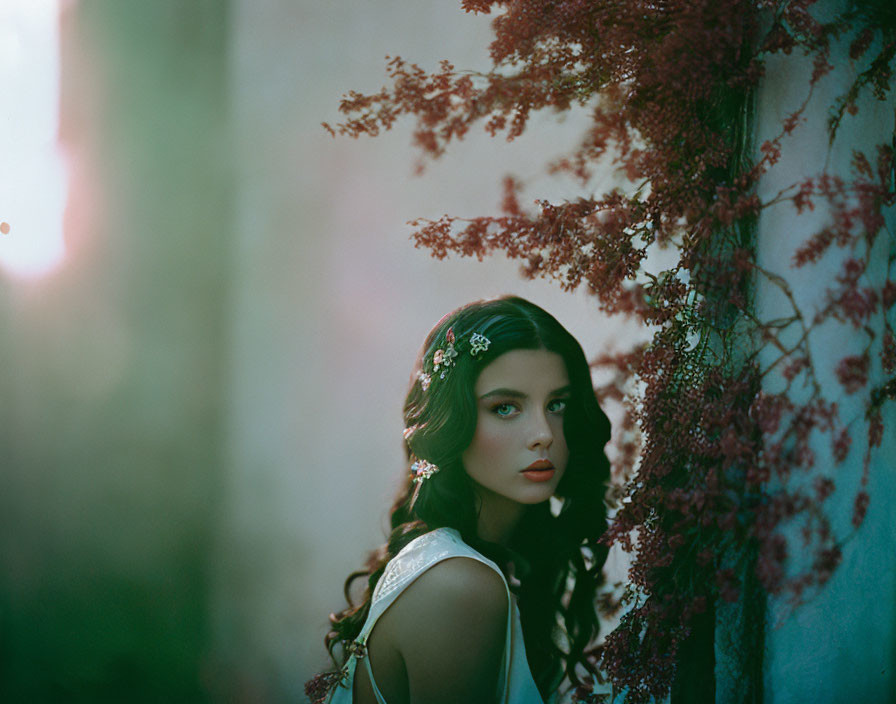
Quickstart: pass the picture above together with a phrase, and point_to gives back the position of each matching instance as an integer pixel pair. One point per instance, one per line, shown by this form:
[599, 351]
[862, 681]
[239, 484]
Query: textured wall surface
[841, 644]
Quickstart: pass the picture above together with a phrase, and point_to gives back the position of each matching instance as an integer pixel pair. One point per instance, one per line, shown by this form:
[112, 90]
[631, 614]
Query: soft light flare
[33, 180]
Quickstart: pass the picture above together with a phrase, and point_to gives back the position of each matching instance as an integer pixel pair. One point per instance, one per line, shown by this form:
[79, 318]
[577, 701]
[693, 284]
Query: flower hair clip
[445, 358]
[478, 344]
[421, 469]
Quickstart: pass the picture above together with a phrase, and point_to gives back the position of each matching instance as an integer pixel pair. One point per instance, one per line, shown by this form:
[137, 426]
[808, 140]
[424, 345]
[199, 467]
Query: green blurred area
[112, 373]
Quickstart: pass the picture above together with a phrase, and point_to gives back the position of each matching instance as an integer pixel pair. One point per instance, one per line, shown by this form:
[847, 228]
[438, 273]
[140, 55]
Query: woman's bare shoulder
[450, 625]
[457, 583]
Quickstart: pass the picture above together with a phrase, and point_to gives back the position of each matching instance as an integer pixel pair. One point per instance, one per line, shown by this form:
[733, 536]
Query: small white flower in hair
[478, 343]
[421, 469]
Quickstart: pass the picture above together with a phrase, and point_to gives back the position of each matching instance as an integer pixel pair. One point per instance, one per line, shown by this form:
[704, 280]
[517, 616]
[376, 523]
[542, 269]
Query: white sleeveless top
[515, 683]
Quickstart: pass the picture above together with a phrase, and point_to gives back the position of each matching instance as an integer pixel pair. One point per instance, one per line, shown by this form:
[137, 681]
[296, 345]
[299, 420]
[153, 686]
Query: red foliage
[852, 372]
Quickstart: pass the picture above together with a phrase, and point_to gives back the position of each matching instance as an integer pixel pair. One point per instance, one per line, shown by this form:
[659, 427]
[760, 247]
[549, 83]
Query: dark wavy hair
[557, 555]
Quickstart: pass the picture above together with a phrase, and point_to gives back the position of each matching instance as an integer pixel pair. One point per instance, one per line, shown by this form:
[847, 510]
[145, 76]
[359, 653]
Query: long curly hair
[556, 552]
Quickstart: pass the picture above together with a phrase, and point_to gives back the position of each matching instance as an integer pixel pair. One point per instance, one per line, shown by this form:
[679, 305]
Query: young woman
[485, 590]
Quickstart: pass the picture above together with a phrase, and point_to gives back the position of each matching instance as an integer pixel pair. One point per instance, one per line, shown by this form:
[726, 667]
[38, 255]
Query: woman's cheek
[492, 441]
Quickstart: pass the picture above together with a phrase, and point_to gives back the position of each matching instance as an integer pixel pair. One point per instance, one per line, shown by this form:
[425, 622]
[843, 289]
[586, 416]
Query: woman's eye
[504, 410]
[558, 405]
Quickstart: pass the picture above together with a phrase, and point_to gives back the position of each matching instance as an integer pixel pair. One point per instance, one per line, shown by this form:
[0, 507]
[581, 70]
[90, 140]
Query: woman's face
[518, 452]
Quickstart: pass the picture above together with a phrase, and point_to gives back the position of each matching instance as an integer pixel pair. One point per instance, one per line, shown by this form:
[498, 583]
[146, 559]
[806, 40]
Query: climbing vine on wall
[707, 451]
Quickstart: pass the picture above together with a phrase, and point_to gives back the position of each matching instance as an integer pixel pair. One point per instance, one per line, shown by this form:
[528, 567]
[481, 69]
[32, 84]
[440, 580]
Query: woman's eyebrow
[513, 393]
[504, 392]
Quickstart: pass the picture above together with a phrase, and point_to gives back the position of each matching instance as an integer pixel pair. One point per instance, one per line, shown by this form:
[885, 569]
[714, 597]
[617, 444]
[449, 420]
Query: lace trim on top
[415, 558]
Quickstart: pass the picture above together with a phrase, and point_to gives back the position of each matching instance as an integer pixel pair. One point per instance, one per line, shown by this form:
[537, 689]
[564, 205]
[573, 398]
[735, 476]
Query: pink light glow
[33, 180]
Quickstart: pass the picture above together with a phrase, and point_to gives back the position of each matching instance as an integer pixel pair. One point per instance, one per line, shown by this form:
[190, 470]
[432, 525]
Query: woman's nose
[540, 432]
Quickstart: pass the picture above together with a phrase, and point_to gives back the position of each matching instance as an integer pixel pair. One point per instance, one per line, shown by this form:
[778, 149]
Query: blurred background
[209, 311]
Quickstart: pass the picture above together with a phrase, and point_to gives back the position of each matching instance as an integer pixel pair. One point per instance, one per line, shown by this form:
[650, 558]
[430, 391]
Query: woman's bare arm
[450, 629]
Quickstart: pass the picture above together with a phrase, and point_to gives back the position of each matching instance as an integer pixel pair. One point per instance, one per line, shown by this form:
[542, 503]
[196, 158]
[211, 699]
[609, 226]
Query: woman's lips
[539, 471]
[538, 475]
